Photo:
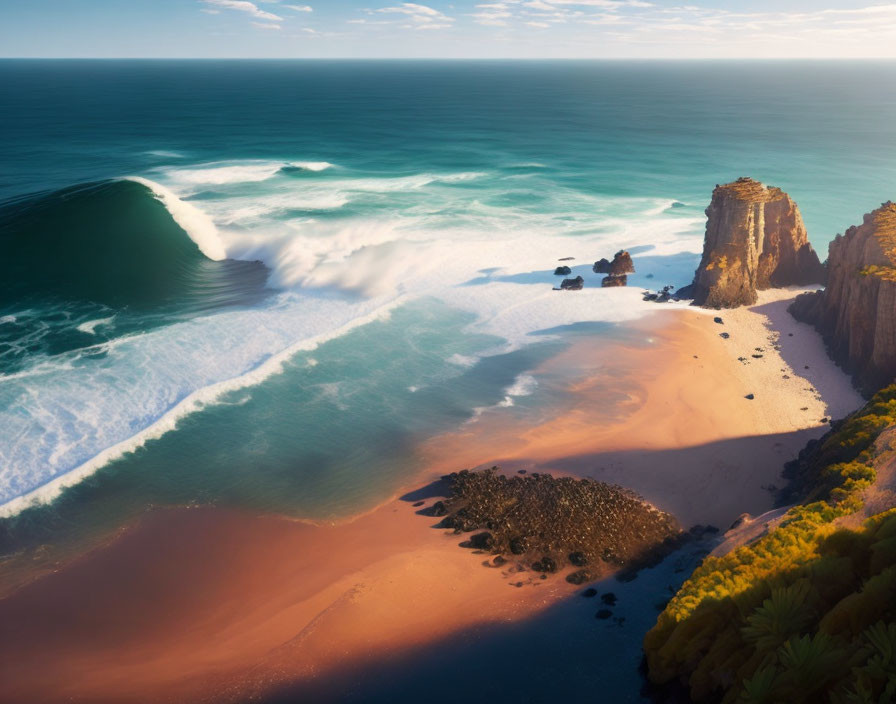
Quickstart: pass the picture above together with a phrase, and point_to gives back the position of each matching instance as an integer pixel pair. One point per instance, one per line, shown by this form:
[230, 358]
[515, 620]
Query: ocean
[263, 284]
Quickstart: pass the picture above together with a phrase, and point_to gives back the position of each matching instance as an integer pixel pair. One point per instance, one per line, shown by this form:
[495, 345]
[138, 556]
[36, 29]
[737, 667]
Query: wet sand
[215, 605]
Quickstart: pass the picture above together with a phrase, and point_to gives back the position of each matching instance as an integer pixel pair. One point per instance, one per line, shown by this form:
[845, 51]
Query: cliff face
[856, 313]
[755, 239]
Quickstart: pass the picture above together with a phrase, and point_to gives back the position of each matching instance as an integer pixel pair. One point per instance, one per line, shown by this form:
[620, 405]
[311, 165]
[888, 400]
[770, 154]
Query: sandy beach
[208, 604]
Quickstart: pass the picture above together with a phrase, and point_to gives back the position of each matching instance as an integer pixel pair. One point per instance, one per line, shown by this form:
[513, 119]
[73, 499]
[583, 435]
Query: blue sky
[458, 29]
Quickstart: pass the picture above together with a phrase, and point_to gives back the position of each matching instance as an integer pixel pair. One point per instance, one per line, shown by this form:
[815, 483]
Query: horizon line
[449, 58]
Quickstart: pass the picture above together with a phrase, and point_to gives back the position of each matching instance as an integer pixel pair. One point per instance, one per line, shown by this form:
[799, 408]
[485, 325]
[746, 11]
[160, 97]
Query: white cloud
[300, 8]
[244, 6]
[266, 25]
[421, 15]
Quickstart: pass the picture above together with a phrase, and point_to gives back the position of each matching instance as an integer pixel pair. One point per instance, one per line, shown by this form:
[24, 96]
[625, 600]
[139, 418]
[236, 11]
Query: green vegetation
[807, 613]
[887, 273]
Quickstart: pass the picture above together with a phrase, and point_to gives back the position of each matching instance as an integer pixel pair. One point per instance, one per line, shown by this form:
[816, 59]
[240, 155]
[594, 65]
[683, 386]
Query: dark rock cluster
[664, 295]
[549, 523]
[621, 264]
[576, 284]
[616, 271]
[617, 280]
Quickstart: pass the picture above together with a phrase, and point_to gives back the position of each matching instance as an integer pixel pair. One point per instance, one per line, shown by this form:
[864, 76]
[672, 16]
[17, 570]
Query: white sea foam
[219, 174]
[165, 154]
[199, 226]
[417, 239]
[463, 360]
[523, 385]
[196, 400]
[660, 208]
[90, 326]
[312, 165]
[229, 173]
[7, 319]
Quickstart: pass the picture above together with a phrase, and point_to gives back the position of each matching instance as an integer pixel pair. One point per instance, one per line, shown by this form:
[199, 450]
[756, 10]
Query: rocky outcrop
[621, 264]
[755, 239]
[575, 284]
[856, 312]
[562, 271]
[614, 280]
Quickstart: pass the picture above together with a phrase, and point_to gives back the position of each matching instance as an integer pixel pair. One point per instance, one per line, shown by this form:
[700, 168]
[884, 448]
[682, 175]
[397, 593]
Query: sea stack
[755, 239]
[856, 312]
[621, 264]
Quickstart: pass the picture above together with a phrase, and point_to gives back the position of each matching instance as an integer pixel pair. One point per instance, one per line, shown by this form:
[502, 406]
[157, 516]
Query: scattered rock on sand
[601, 266]
[576, 284]
[519, 545]
[579, 577]
[482, 541]
[749, 397]
[614, 280]
[664, 295]
[545, 564]
[578, 559]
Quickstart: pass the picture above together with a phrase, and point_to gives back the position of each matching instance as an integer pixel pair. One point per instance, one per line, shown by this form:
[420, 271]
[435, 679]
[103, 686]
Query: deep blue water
[193, 334]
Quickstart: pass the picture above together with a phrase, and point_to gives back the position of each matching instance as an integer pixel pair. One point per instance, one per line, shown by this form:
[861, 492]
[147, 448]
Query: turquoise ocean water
[263, 284]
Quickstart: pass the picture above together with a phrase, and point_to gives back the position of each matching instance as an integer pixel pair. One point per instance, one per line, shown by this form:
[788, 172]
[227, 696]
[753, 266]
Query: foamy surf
[199, 226]
[195, 401]
[90, 326]
[408, 237]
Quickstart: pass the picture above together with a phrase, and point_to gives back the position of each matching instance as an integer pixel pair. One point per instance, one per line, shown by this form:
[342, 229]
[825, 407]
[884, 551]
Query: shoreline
[193, 603]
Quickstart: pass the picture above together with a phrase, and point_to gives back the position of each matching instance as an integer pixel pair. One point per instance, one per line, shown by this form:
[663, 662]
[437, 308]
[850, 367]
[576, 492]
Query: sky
[612, 29]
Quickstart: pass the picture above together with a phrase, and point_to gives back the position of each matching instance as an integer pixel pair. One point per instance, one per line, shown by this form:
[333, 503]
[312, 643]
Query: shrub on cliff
[806, 613]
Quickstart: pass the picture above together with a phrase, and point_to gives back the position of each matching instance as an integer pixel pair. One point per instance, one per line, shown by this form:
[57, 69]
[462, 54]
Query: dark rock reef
[755, 239]
[552, 522]
[856, 312]
[562, 271]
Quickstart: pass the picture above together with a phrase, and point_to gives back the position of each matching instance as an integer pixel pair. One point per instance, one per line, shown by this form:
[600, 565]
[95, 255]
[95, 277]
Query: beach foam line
[199, 226]
[198, 400]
